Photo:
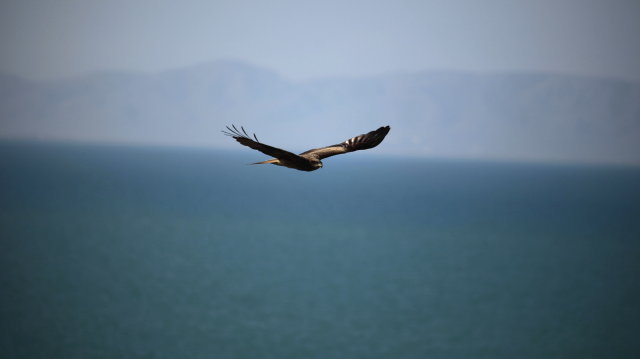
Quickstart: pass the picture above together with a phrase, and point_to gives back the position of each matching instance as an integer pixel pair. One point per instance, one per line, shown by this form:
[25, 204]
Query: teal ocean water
[112, 252]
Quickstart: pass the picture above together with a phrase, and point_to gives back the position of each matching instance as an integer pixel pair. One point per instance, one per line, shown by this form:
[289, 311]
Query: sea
[149, 252]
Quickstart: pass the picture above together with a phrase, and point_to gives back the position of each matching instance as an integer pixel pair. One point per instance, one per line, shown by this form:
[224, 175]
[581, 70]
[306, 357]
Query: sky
[311, 39]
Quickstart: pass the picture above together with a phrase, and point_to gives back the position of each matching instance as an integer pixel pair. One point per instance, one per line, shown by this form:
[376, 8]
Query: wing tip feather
[237, 134]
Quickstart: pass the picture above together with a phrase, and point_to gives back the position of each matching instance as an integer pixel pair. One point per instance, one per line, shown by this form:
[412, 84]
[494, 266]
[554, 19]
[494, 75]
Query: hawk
[308, 160]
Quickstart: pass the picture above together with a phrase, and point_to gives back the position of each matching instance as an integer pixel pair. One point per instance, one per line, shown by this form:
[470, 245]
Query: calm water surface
[110, 252]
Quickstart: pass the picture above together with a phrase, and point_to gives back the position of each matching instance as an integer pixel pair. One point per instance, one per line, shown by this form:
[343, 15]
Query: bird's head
[317, 164]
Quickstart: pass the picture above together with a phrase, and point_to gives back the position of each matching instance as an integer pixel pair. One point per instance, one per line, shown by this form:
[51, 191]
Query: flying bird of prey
[308, 160]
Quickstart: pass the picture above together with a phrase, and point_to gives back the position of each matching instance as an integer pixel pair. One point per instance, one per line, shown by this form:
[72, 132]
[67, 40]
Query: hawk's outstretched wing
[244, 139]
[360, 142]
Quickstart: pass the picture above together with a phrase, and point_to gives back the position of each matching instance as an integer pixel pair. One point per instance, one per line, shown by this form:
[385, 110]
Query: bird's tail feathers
[275, 160]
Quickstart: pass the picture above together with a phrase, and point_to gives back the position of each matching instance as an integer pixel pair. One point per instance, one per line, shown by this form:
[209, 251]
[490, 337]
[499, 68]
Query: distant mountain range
[438, 114]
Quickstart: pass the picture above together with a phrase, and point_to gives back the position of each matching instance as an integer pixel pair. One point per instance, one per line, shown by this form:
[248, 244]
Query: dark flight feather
[266, 149]
[357, 143]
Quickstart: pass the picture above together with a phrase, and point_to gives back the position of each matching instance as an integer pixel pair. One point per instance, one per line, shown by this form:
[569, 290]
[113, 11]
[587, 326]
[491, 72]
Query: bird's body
[309, 160]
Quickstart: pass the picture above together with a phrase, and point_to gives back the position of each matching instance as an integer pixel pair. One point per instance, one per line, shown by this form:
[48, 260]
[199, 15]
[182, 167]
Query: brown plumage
[308, 160]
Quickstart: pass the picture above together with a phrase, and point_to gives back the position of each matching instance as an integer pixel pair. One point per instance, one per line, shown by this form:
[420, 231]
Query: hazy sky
[305, 39]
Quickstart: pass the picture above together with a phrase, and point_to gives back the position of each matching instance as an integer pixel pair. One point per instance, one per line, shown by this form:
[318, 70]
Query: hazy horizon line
[386, 155]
